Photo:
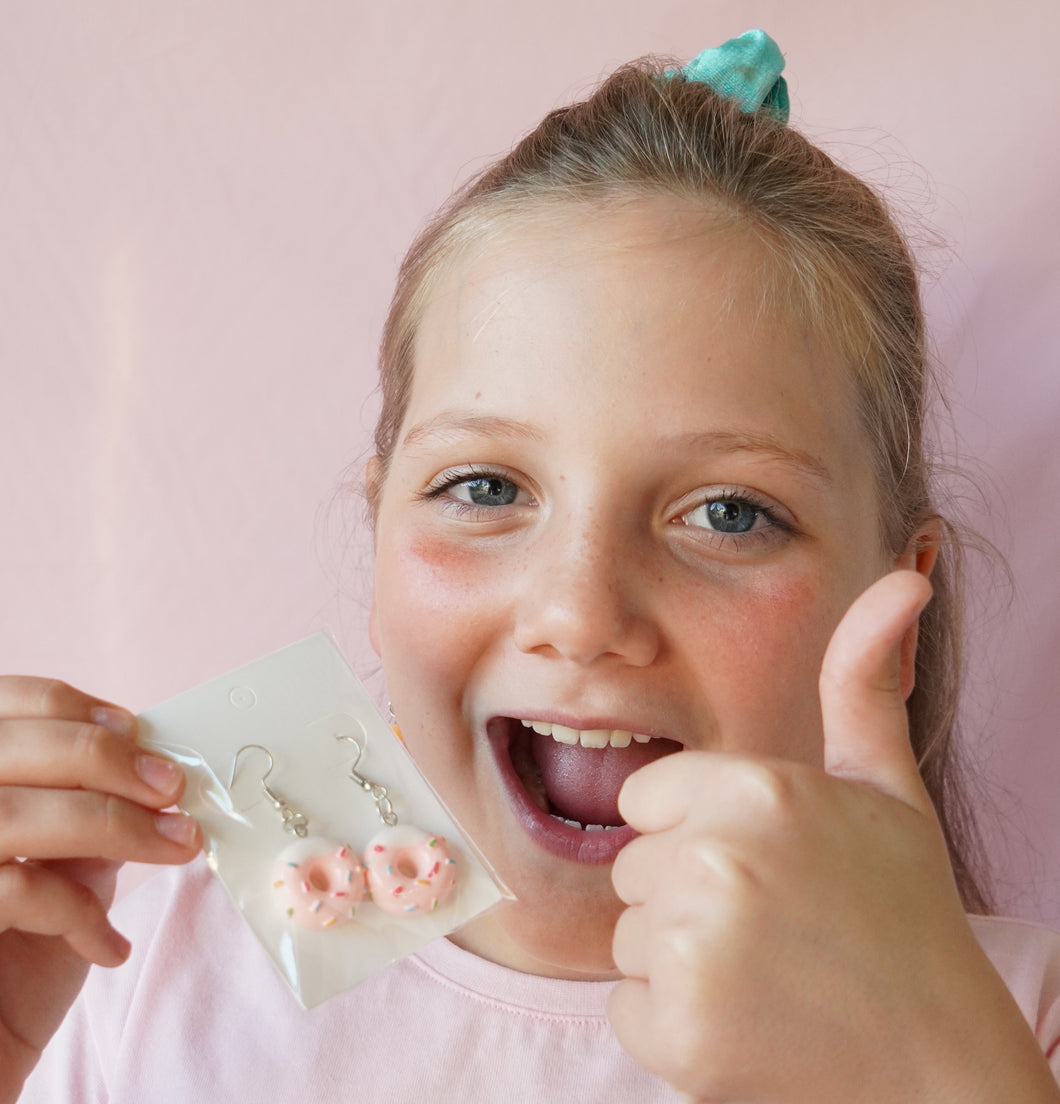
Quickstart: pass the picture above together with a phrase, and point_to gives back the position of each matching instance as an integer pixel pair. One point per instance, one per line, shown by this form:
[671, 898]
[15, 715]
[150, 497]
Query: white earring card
[345, 896]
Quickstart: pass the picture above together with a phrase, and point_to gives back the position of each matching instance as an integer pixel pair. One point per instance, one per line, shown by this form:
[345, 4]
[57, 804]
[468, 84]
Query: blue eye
[730, 515]
[478, 493]
[487, 490]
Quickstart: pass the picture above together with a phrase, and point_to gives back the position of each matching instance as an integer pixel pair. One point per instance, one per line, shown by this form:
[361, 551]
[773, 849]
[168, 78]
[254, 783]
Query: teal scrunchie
[745, 69]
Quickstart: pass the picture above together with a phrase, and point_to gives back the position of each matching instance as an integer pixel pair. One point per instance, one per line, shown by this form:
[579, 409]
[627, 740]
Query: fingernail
[117, 720]
[177, 827]
[160, 774]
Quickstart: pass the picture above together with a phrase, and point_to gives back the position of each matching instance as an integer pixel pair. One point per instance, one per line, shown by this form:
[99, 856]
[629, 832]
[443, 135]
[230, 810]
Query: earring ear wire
[375, 790]
[293, 821]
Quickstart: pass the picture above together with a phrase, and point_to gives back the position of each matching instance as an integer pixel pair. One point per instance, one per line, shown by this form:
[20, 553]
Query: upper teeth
[589, 737]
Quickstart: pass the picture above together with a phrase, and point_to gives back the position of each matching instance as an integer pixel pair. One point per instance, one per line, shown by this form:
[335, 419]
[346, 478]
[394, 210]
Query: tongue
[583, 783]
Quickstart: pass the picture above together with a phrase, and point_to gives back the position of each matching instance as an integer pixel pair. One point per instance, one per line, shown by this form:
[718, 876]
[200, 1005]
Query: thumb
[866, 728]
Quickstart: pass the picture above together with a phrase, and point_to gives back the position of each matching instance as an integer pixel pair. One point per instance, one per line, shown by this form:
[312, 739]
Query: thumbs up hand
[794, 934]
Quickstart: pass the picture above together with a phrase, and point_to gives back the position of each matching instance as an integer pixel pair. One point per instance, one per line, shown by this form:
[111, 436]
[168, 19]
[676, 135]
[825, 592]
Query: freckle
[478, 394]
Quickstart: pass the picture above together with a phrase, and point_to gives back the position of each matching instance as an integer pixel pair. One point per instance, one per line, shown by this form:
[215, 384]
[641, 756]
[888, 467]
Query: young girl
[654, 532]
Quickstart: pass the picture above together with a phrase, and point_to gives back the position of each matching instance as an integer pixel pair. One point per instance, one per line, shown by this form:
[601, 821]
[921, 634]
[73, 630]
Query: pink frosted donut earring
[409, 870]
[318, 882]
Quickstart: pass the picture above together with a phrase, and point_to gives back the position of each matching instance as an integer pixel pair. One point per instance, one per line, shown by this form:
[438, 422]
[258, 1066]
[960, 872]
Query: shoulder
[1027, 956]
[1021, 950]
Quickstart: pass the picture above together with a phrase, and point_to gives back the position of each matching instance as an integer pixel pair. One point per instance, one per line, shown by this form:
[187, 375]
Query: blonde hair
[836, 255]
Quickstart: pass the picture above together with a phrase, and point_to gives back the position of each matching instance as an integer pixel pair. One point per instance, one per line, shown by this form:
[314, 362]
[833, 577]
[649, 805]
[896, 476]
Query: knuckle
[53, 697]
[711, 866]
[769, 787]
[92, 746]
[686, 945]
[83, 901]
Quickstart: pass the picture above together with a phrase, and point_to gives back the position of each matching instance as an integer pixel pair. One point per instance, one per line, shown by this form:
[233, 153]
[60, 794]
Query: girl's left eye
[725, 515]
[729, 514]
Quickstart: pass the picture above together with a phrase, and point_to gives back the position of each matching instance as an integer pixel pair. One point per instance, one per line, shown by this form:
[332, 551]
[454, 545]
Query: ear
[919, 555]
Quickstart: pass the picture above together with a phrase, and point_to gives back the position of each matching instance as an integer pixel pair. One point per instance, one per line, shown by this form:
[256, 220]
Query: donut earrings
[320, 881]
[409, 870]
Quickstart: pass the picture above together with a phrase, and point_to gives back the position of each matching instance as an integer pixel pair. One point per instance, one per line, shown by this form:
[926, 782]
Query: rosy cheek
[446, 577]
[795, 617]
[761, 652]
[425, 627]
[430, 599]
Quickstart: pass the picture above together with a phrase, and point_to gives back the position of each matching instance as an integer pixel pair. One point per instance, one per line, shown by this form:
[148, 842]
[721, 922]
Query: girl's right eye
[477, 491]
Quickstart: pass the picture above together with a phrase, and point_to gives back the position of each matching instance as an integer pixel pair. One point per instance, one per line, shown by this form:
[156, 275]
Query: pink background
[202, 206]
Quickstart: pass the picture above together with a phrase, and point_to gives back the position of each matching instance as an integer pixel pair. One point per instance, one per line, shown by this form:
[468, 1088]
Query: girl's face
[625, 498]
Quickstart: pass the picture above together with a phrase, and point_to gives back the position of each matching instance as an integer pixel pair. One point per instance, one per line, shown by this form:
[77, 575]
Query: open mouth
[564, 782]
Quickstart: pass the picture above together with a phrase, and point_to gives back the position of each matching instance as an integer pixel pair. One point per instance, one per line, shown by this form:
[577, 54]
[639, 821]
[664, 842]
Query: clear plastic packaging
[334, 847]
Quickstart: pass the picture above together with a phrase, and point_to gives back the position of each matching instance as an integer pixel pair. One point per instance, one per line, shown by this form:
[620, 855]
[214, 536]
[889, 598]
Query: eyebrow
[765, 444]
[453, 424]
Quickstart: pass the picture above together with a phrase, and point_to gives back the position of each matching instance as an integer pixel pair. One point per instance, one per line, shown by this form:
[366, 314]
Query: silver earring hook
[375, 790]
[293, 821]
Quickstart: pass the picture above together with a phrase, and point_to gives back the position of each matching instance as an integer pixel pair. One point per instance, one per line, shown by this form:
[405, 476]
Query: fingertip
[117, 947]
[903, 589]
[627, 798]
[639, 795]
[181, 829]
[114, 718]
[920, 584]
[97, 942]
[164, 776]
[656, 796]
[874, 624]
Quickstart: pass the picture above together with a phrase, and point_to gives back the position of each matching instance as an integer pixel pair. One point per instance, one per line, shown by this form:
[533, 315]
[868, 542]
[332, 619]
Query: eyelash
[445, 481]
[775, 528]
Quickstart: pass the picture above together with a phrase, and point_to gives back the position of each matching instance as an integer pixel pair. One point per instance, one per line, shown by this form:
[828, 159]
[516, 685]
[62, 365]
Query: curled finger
[38, 901]
[634, 868]
[630, 943]
[629, 1009]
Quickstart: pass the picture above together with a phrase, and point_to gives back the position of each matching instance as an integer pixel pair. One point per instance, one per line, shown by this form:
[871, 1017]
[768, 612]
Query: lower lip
[556, 836]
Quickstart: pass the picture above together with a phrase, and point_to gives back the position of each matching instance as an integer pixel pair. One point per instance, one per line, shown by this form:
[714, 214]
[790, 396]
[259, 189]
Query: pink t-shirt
[199, 1014]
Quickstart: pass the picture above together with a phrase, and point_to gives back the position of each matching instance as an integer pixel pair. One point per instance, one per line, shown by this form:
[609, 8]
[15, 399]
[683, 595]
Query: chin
[572, 942]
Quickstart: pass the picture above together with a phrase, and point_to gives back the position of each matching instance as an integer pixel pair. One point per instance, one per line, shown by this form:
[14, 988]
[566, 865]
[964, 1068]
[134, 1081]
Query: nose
[585, 597]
